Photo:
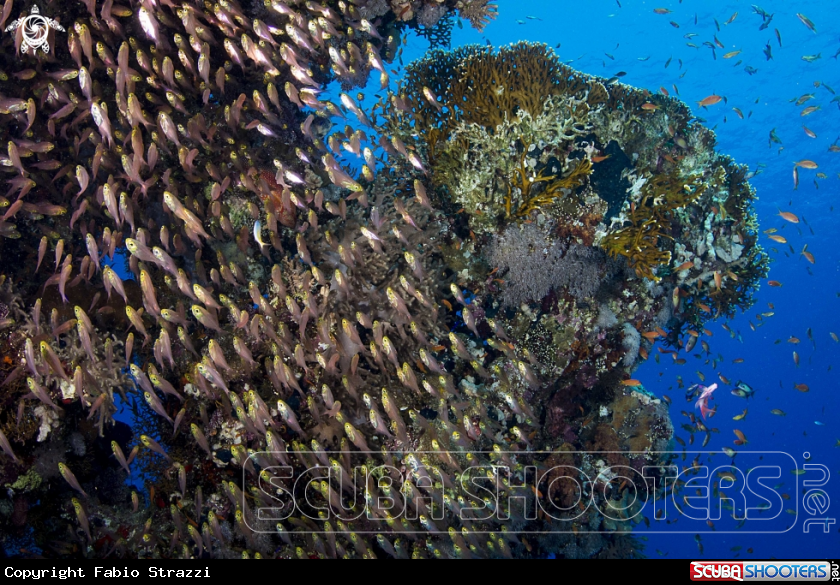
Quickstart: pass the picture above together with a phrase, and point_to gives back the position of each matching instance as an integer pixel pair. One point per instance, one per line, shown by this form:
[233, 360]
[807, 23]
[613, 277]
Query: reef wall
[476, 298]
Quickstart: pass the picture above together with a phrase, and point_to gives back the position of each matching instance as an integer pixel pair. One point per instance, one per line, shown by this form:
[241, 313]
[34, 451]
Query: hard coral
[533, 198]
[650, 220]
[479, 85]
[478, 12]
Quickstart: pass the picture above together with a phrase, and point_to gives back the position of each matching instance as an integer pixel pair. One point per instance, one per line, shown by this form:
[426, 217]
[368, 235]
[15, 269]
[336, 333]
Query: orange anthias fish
[806, 164]
[788, 216]
[709, 101]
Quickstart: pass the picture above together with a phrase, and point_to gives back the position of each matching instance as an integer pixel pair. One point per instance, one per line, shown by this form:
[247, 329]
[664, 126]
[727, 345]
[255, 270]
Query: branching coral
[479, 85]
[514, 111]
[650, 220]
[494, 85]
[478, 12]
[525, 181]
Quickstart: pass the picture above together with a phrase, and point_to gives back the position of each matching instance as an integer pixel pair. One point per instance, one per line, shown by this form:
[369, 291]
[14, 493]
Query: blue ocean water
[601, 37]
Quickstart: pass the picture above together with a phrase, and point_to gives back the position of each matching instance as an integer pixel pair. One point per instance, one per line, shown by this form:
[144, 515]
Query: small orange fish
[778, 238]
[710, 101]
[684, 266]
[649, 106]
[663, 91]
[740, 435]
[631, 382]
[650, 335]
[788, 216]
[801, 387]
[597, 159]
[806, 164]
[738, 361]
[448, 304]
[793, 340]
[774, 283]
[808, 256]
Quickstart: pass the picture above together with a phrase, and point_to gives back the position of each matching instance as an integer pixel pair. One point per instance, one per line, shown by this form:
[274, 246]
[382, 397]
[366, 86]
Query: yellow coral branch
[553, 189]
[650, 220]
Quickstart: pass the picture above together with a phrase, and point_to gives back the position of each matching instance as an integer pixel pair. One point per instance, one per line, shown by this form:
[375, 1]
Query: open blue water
[602, 38]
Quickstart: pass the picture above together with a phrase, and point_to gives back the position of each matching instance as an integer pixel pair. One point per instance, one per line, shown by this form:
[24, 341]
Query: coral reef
[650, 220]
[278, 314]
[532, 266]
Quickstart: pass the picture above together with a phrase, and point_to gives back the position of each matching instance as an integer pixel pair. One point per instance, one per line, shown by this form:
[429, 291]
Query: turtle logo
[35, 28]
